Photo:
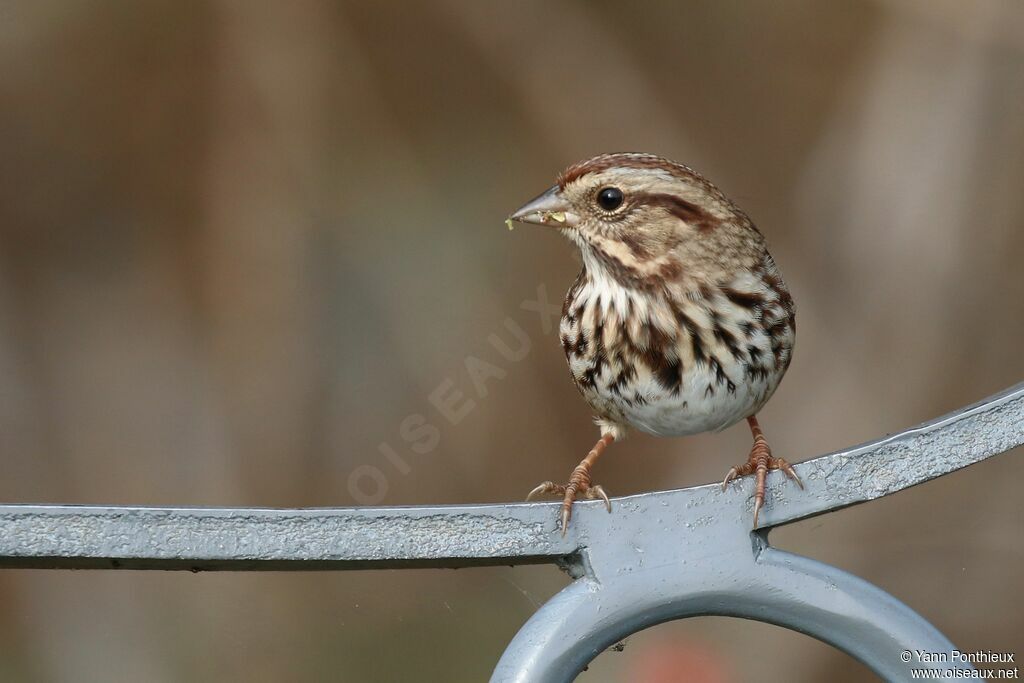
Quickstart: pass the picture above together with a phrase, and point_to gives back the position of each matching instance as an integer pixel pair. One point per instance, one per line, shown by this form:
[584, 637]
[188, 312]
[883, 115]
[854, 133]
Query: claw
[760, 484]
[546, 487]
[566, 515]
[790, 472]
[598, 492]
[733, 473]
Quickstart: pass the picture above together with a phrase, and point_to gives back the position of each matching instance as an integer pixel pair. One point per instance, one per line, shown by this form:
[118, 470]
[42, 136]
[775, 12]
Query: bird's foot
[760, 463]
[579, 485]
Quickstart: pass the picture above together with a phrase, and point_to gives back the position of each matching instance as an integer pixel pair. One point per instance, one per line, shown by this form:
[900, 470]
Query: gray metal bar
[660, 556]
[899, 461]
[205, 539]
[69, 536]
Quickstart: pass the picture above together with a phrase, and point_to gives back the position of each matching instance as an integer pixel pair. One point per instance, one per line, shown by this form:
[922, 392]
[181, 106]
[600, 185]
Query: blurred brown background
[242, 243]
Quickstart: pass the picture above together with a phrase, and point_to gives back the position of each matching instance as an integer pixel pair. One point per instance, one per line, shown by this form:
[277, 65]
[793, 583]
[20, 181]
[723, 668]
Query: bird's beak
[550, 208]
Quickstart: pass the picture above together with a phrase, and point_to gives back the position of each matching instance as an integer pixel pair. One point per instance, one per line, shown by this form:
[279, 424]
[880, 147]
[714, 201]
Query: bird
[679, 321]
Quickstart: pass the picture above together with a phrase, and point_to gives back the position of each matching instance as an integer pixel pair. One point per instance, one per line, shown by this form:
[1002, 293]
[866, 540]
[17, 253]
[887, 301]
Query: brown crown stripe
[623, 160]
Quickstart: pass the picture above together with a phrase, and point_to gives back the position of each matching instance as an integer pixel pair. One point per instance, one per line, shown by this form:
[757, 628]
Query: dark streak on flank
[580, 347]
[670, 376]
[700, 354]
[748, 300]
[723, 335]
[720, 375]
[696, 341]
[600, 355]
[729, 339]
[757, 373]
[769, 272]
[625, 376]
[659, 356]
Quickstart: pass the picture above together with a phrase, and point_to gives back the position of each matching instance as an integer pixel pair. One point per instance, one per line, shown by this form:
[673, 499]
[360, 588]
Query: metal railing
[660, 556]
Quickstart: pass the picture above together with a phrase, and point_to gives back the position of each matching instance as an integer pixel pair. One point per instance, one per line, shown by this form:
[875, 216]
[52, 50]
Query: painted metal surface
[660, 556]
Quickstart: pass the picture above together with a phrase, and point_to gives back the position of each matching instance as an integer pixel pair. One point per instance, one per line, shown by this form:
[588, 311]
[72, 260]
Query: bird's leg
[579, 482]
[759, 463]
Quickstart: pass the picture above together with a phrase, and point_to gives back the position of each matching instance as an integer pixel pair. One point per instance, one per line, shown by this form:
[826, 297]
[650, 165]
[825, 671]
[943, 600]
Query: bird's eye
[610, 198]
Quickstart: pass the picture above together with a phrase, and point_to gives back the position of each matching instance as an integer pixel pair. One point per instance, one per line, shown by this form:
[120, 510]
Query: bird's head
[642, 218]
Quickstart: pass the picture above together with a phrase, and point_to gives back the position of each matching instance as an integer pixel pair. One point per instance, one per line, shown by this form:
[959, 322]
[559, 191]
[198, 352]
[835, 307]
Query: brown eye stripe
[680, 208]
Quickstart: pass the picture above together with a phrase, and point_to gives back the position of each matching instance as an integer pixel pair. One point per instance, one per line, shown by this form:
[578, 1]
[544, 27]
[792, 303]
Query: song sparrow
[679, 322]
